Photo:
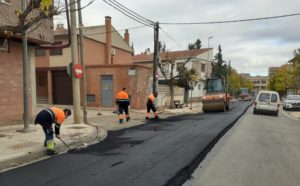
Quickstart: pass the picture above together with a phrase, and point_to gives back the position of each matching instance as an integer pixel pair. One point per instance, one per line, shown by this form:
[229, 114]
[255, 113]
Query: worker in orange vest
[151, 105]
[46, 118]
[123, 103]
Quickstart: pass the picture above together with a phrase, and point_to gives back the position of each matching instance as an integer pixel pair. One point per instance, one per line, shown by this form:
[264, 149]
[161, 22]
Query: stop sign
[77, 70]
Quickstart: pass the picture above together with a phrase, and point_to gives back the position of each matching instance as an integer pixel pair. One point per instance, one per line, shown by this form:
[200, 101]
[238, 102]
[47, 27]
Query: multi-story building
[11, 62]
[198, 60]
[107, 57]
[260, 83]
[272, 70]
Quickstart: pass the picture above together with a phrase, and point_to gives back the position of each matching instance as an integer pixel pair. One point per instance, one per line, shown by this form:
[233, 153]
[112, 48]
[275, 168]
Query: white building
[197, 59]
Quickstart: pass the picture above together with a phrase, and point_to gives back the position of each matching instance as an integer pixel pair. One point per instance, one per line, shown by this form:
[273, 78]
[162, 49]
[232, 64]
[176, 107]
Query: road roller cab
[216, 97]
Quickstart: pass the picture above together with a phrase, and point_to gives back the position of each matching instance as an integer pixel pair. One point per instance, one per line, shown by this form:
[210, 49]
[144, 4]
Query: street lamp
[208, 46]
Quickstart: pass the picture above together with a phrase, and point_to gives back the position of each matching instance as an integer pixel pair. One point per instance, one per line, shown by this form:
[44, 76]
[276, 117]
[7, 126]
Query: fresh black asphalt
[163, 152]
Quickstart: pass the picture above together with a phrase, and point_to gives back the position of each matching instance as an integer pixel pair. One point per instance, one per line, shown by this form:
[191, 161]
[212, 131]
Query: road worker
[46, 118]
[123, 103]
[151, 106]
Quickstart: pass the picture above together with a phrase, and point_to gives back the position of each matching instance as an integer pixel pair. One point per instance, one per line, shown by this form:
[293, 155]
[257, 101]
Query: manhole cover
[77, 127]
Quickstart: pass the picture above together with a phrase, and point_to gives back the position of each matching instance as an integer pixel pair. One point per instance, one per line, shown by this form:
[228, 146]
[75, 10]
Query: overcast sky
[252, 47]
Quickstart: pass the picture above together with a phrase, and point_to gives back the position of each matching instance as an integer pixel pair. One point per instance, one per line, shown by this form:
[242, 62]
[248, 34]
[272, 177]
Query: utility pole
[83, 79]
[25, 79]
[155, 56]
[74, 57]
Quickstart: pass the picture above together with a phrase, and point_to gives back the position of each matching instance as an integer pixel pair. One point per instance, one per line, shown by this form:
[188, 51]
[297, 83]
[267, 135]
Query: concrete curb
[38, 154]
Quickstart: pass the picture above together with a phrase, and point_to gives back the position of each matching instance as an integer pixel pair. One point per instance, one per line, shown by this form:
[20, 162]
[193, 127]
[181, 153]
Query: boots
[127, 119]
[120, 121]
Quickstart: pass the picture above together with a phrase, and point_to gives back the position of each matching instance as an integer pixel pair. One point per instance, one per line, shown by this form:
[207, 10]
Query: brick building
[107, 57]
[11, 64]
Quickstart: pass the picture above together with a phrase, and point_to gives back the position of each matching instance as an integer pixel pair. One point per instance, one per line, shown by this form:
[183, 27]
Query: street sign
[77, 70]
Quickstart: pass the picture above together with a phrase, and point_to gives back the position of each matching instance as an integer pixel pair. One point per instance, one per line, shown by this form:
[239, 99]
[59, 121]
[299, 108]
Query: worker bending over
[46, 118]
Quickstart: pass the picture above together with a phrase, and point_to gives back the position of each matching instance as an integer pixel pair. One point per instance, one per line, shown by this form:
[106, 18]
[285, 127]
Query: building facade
[197, 59]
[107, 57]
[11, 63]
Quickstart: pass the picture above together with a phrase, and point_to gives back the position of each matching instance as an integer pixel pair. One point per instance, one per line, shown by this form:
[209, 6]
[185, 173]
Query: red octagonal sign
[77, 70]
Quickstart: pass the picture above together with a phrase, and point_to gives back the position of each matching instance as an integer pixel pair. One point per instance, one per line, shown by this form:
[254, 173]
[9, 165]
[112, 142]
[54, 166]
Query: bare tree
[171, 79]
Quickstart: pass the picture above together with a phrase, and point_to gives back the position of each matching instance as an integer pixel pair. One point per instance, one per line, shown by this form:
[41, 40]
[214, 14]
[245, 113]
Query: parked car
[267, 102]
[244, 97]
[292, 102]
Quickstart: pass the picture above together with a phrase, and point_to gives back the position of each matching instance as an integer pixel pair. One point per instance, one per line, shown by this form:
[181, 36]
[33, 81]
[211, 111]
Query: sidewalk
[18, 148]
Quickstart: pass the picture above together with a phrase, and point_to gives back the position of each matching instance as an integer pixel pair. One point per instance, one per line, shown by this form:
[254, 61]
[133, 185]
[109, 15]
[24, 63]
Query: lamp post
[208, 46]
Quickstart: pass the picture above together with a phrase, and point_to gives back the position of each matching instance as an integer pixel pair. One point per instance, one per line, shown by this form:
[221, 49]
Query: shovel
[69, 149]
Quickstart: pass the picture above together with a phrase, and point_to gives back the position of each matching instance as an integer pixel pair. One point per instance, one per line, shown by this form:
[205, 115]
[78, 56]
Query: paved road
[258, 150]
[157, 153]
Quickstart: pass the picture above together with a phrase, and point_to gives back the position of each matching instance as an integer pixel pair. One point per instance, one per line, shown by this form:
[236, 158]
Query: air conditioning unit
[113, 51]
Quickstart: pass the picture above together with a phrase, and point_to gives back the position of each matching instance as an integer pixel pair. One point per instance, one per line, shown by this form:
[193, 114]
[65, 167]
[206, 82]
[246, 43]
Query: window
[40, 52]
[274, 98]
[57, 51]
[90, 98]
[165, 68]
[202, 67]
[3, 45]
[179, 66]
[264, 97]
[263, 81]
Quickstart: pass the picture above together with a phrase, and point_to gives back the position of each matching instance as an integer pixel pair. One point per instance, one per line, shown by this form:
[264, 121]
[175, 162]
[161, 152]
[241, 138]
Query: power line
[136, 14]
[144, 22]
[117, 30]
[169, 36]
[232, 21]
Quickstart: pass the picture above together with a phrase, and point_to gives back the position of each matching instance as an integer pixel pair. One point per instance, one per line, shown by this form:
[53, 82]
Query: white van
[267, 102]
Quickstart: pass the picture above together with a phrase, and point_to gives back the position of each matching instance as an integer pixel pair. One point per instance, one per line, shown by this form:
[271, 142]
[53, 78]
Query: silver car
[292, 102]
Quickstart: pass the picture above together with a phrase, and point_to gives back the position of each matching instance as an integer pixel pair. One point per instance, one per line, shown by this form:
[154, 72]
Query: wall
[11, 83]
[136, 85]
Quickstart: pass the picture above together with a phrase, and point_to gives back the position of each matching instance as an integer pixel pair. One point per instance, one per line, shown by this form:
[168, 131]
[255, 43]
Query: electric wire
[169, 36]
[232, 21]
[136, 14]
[131, 28]
[134, 18]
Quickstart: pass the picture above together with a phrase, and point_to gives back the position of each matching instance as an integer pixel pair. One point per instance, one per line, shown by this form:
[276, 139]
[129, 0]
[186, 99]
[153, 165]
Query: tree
[236, 82]
[196, 45]
[281, 80]
[171, 80]
[219, 68]
[185, 79]
[161, 46]
[32, 16]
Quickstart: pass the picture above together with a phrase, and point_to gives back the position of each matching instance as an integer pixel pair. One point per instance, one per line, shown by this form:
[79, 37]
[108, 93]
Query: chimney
[108, 40]
[126, 36]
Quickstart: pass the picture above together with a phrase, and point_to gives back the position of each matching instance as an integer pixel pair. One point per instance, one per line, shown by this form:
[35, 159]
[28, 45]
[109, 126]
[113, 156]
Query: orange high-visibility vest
[122, 96]
[59, 114]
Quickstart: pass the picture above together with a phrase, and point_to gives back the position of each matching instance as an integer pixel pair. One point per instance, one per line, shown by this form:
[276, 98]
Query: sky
[252, 47]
